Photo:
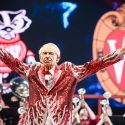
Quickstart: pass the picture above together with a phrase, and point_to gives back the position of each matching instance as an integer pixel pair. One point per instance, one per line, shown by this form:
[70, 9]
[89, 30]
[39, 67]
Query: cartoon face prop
[12, 23]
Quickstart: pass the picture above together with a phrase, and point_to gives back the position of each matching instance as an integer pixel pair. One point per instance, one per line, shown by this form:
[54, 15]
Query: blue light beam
[69, 7]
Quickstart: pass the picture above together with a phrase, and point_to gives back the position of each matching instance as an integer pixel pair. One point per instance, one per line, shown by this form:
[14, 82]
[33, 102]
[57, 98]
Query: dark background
[75, 41]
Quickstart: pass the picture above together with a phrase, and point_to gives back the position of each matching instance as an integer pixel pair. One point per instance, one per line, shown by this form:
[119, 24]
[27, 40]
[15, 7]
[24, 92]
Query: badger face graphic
[12, 23]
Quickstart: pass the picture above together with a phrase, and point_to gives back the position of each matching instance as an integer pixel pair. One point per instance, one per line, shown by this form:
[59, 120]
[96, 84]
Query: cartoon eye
[17, 23]
[1, 23]
[14, 22]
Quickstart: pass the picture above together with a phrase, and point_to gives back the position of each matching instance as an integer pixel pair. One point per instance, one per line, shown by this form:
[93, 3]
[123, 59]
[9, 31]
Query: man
[51, 87]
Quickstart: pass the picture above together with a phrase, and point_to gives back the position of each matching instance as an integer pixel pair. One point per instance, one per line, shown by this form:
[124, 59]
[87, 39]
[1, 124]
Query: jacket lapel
[56, 76]
[41, 76]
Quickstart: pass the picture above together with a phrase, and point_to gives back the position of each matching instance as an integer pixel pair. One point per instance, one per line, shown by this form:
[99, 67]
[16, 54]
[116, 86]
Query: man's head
[49, 55]
[83, 113]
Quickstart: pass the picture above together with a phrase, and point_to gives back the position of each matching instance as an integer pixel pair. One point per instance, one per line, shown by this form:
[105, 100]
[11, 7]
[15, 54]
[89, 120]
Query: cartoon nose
[8, 29]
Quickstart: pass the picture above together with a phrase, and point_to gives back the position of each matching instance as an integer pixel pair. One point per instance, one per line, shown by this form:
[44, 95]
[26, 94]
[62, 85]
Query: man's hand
[122, 50]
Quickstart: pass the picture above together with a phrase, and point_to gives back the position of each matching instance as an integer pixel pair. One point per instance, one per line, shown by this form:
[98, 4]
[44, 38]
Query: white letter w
[118, 67]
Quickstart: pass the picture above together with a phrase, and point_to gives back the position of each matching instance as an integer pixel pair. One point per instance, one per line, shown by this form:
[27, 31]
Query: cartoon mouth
[8, 35]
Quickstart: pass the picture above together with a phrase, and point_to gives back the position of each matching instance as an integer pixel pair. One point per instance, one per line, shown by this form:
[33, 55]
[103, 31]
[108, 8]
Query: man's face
[48, 57]
[84, 114]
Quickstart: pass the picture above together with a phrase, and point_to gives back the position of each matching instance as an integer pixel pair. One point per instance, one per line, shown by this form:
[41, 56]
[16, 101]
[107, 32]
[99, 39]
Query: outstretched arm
[13, 63]
[91, 113]
[104, 118]
[83, 71]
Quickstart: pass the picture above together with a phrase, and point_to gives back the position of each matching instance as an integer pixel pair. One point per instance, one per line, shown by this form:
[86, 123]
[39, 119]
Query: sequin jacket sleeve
[83, 71]
[13, 63]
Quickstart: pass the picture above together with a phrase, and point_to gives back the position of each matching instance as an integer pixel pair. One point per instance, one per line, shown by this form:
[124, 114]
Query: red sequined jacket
[54, 102]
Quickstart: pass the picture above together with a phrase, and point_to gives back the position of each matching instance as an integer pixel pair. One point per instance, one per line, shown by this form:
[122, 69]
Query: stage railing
[120, 98]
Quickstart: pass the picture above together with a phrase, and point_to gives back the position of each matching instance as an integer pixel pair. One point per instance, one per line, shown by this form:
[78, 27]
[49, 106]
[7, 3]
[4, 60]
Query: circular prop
[81, 91]
[20, 87]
